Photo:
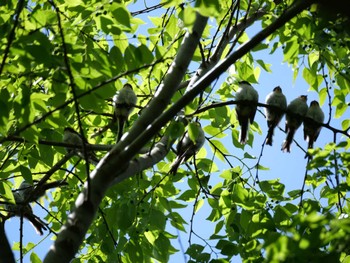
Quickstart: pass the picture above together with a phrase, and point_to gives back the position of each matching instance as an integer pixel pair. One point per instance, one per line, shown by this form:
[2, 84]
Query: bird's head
[314, 103]
[243, 83]
[277, 89]
[69, 129]
[303, 98]
[127, 86]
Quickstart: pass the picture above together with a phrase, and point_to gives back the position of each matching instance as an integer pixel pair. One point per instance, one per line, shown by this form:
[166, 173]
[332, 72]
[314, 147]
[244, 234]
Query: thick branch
[147, 160]
[171, 82]
[213, 74]
[116, 161]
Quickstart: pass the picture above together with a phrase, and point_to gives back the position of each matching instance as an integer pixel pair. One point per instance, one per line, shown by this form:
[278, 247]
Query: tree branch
[232, 102]
[6, 254]
[147, 160]
[93, 147]
[116, 161]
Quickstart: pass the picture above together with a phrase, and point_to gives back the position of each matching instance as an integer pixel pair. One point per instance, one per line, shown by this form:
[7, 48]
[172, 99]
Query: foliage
[63, 61]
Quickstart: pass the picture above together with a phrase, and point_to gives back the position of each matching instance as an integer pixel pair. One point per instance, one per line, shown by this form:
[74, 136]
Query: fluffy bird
[274, 115]
[70, 136]
[296, 110]
[187, 147]
[313, 127]
[21, 209]
[124, 102]
[247, 109]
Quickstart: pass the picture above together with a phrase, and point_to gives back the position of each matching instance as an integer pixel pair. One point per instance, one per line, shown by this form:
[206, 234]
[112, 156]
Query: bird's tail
[37, 223]
[269, 136]
[288, 141]
[244, 130]
[310, 146]
[121, 123]
[311, 142]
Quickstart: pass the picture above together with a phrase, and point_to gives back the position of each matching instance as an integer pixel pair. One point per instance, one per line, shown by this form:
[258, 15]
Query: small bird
[21, 209]
[124, 102]
[187, 147]
[274, 115]
[313, 127]
[247, 109]
[70, 136]
[296, 110]
[26, 189]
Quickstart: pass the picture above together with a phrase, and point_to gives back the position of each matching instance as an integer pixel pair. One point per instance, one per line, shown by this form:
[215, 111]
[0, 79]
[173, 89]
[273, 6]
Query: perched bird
[21, 209]
[124, 102]
[187, 147]
[296, 110]
[274, 115]
[26, 190]
[70, 136]
[313, 127]
[246, 110]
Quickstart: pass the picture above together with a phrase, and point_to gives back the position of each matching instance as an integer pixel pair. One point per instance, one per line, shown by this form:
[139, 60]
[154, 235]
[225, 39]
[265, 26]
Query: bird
[296, 110]
[247, 109]
[313, 127]
[22, 209]
[70, 136]
[26, 189]
[188, 147]
[274, 115]
[124, 102]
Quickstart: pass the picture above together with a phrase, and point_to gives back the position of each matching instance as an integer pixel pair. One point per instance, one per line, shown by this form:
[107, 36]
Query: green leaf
[193, 131]
[130, 58]
[208, 8]
[125, 216]
[194, 250]
[345, 124]
[163, 248]
[187, 195]
[6, 191]
[187, 16]
[218, 226]
[133, 251]
[266, 67]
[219, 148]
[273, 188]
[26, 173]
[144, 54]
[198, 205]
[177, 221]
[120, 14]
[322, 95]
[34, 258]
[158, 219]
[291, 50]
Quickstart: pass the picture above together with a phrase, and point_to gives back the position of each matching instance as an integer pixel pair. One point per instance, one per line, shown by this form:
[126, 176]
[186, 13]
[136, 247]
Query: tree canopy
[61, 64]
